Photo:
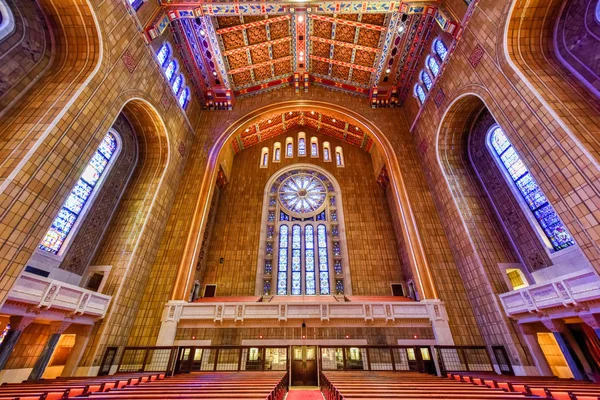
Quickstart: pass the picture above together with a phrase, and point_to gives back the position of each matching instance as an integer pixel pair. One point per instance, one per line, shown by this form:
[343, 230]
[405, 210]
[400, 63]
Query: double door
[304, 366]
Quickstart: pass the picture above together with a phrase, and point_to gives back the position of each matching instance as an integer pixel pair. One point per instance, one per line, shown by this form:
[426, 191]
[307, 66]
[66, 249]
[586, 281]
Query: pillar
[593, 321]
[56, 329]
[17, 326]
[82, 338]
[530, 335]
[557, 327]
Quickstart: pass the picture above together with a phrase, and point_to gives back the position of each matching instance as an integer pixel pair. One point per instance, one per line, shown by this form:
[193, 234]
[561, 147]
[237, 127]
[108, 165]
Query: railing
[464, 359]
[329, 391]
[147, 359]
[279, 391]
[562, 292]
[50, 295]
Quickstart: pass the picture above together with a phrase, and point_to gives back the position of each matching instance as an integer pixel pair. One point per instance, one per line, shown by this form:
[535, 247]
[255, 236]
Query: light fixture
[312, 113]
[301, 53]
[401, 28]
[202, 32]
[300, 18]
[356, 127]
[290, 113]
[214, 73]
[333, 120]
[269, 121]
[387, 71]
[247, 129]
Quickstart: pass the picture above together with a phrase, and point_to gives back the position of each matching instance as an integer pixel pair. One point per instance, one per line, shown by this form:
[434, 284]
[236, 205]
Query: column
[530, 335]
[82, 338]
[17, 326]
[593, 320]
[557, 327]
[56, 329]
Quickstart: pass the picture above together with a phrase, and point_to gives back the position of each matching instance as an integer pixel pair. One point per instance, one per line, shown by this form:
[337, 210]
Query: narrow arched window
[426, 80]
[86, 186]
[184, 97]
[323, 259]
[163, 54]
[301, 144]
[314, 147]
[433, 66]
[440, 49]
[136, 4]
[289, 147]
[177, 84]
[264, 157]
[282, 260]
[326, 152]
[420, 93]
[277, 152]
[7, 20]
[339, 156]
[532, 194]
[170, 71]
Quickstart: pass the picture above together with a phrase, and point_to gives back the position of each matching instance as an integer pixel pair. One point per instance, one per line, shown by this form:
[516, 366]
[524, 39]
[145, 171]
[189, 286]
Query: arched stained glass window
[289, 152]
[184, 97]
[296, 261]
[323, 259]
[433, 66]
[420, 93]
[309, 246]
[75, 203]
[282, 260]
[177, 84]
[170, 71]
[426, 80]
[301, 146]
[163, 54]
[136, 4]
[537, 202]
[440, 49]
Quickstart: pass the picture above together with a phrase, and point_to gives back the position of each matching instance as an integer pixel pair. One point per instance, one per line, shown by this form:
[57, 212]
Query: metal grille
[228, 360]
[401, 359]
[380, 359]
[133, 360]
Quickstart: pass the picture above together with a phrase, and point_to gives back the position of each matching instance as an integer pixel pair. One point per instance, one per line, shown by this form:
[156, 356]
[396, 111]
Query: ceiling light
[247, 129]
[312, 113]
[401, 28]
[300, 18]
[301, 53]
[356, 127]
[333, 120]
[290, 113]
[387, 71]
[269, 121]
[202, 32]
[214, 73]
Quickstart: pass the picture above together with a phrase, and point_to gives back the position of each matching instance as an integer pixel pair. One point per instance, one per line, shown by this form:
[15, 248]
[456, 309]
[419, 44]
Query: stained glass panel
[69, 212]
[283, 260]
[184, 97]
[301, 147]
[277, 154]
[289, 150]
[296, 261]
[163, 55]
[326, 154]
[440, 49]
[314, 150]
[533, 195]
[309, 245]
[420, 92]
[433, 66]
[177, 84]
[323, 260]
[338, 158]
[170, 71]
[302, 193]
[426, 80]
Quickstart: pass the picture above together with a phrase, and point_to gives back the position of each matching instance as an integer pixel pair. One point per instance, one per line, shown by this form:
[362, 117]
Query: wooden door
[304, 366]
[107, 361]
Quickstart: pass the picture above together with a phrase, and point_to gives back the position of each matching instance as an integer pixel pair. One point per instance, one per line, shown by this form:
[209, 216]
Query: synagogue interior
[300, 199]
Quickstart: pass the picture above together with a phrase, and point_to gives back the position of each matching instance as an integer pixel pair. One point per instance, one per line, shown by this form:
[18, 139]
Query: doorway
[304, 366]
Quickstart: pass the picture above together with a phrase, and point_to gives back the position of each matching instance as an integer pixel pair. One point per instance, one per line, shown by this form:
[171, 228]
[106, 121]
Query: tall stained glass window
[177, 84]
[537, 202]
[426, 80]
[289, 150]
[75, 203]
[323, 259]
[305, 197]
[301, 146]
[170, 71]
[314, 149]
[184, 96]
[440, 49]
[326, 155]
[163, 54]
[420, 93]
[283, 260]
[433, 66]
[277, 154]
[296, 261]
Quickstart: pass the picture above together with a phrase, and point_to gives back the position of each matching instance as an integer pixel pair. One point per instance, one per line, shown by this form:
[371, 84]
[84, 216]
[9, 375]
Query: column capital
[20, 323]
[528, 329]
[58, 327]
[554, 325]
[593, 320]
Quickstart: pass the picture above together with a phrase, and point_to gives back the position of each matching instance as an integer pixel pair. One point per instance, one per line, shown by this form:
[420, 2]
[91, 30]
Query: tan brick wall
[29, 347]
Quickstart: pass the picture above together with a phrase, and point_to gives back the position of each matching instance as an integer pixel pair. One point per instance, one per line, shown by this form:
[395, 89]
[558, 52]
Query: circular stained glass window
[302, 193]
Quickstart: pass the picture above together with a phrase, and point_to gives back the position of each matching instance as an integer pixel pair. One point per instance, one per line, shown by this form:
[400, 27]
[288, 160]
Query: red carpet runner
[312, 394]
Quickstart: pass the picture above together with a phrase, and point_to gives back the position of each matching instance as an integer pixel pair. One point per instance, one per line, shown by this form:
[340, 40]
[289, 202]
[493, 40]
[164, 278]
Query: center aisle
[304, 394]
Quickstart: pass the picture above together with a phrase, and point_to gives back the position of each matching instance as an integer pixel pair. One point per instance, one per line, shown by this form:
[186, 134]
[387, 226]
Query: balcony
[53, 300]
[561, 297]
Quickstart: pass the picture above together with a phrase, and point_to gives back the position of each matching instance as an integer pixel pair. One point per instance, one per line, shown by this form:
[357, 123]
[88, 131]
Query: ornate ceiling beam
[349, 23]
[257, 46]
[343, 64]
[262, 64]
[262, 22]
[344, 44]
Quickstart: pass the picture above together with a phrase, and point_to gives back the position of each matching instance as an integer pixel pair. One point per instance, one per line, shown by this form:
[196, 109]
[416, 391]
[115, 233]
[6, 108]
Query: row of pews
[209, 385]
[380, 385]
[544, 387]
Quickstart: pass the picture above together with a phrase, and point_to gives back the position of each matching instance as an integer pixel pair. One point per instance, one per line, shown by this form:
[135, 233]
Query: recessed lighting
[301, 53]
[356, 127]
[247, 129]
[214, 73]
[387, 71]
[401, 28]
[312, 113]
[333, 120]
[202, 32]
[290, 113]
[300, 18]
[269, 121]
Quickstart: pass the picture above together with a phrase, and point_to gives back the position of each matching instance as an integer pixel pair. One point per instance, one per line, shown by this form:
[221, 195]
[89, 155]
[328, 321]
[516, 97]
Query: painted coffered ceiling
[367, 48]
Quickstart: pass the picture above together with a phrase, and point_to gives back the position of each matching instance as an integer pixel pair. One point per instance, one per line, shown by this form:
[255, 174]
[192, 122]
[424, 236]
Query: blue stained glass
[339, 286]
[426, 80]
[420, 92]
[326, 154]
[296, 261]
[321, 216]
[163, 54]
[277, 154]
[177, 84]
[267, 288]
[533, 195]
[289, 150]
[184, 96]
[314, 150]
[283, 216]
[440, 49]
[170, 71]
[433, 66]
[301, 147]
[309, 245]
[283, 260]
[338, 158]
[69, 212]
[323, 260]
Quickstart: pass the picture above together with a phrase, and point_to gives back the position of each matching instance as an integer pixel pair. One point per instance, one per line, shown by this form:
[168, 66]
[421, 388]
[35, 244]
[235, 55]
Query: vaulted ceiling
[367, 48]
